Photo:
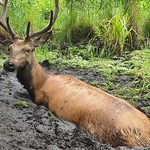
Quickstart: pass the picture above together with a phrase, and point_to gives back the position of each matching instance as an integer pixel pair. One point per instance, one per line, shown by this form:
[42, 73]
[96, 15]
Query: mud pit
[34, 127]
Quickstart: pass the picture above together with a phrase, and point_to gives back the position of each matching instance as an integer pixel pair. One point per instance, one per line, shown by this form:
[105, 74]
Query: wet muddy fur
[110, 119]
[119, 134]
[33, 128]
[25, 78]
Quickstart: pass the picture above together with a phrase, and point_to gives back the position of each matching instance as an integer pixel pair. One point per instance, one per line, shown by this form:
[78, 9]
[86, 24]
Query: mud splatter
[34, 127]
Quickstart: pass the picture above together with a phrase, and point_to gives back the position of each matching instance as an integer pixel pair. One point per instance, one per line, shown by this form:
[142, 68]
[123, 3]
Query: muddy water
[34, 127]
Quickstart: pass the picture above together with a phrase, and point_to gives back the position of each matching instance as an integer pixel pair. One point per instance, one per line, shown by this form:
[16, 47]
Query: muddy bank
[34, 127]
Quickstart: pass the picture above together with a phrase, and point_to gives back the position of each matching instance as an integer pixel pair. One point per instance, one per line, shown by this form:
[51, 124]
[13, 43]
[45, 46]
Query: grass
[117, 24]
[86, 29]
[3, 58]
[22, 103]
[51, 118]
[127, 77]
[134, 67]
[1, 63]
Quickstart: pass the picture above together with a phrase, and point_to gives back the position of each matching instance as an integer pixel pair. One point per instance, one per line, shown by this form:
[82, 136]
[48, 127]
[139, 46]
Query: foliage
[43, 53]
[21, 12]
[22, 103]
[118, 26]
[3, 58]
[87, 33]
[126, 77]
[114, 33]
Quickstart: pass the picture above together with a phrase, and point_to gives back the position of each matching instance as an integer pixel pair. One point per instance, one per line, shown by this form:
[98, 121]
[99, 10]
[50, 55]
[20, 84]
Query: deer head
[22, 49]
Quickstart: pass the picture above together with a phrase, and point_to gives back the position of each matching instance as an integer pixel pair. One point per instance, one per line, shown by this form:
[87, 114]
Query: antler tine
[37, 34]
[4, 12]
[28, 30]
[5, 24]
[1, 3]
[56, 10]
[52, 21]
[13, 35]
[3, 16]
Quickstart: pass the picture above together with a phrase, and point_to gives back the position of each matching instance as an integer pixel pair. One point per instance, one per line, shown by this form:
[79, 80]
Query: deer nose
[9, 66]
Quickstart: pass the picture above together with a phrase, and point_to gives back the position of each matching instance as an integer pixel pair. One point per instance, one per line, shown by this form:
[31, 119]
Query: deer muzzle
[9, 66]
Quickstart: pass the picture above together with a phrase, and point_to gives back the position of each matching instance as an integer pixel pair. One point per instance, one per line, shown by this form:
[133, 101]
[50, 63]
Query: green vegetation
[109, 27]
[127, 77]
[51, 118]
[98, 35]
[22, 103]
[3, 57]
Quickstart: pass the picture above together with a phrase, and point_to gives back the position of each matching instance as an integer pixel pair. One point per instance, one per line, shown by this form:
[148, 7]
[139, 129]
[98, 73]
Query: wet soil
[34, 127]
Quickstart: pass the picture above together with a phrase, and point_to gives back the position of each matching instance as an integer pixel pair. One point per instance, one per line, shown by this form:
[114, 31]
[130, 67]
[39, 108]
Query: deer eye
[27, 50]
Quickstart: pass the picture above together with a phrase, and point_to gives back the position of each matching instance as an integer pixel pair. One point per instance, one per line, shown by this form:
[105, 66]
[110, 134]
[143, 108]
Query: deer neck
[32, 76]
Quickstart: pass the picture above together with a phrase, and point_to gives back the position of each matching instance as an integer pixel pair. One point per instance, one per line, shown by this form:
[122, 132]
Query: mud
[33, 127]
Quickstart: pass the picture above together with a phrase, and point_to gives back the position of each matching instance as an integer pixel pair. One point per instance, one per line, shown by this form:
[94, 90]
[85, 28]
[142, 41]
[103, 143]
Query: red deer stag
[106, 117]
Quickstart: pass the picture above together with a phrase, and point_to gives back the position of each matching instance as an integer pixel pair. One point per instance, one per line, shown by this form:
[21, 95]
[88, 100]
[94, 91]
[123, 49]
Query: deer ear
[42, 39]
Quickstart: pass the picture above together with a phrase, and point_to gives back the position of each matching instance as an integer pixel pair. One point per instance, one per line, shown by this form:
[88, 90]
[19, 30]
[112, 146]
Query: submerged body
[111, 119]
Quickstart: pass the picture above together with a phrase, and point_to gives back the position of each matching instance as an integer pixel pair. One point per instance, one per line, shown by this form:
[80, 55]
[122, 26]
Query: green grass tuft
[22, 103]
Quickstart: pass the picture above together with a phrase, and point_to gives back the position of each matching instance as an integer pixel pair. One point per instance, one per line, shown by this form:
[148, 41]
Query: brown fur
[109, 118]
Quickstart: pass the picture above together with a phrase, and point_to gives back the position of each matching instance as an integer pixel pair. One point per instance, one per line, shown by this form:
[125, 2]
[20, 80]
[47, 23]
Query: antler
[48, 27]
[5, 24]
[4, 11]
[3, 16]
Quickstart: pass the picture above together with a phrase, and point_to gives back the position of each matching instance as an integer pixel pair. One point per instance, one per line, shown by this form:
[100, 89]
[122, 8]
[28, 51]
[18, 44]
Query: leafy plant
[114, 24]
[22, 103]
[114, 33]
